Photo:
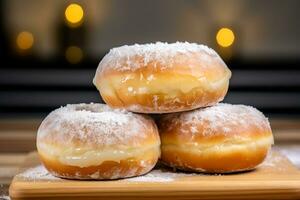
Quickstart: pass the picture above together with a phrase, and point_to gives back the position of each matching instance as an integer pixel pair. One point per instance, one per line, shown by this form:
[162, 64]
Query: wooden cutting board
[276, 178]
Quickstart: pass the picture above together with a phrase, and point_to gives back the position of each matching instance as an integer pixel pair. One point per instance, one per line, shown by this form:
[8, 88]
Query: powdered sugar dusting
[292, 152]
[37, 173]
[153, 52]
[4, 197]
[160, 175]
[273, 160]
[92, 124]
[224, 117]
[40, 173]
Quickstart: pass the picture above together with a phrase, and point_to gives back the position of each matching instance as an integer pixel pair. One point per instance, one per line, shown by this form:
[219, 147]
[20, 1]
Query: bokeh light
[74, 54]
[25, 40]
[225, 37]
[74, 14]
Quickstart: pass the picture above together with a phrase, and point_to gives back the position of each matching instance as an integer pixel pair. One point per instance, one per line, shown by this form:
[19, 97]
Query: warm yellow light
[74, 14]
[225, 37]
[74, 54]
[25, 40]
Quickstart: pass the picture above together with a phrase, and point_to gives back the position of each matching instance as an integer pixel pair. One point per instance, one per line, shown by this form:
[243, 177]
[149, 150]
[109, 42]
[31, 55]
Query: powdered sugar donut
[93, 141]
[218, 139]
[162, 77]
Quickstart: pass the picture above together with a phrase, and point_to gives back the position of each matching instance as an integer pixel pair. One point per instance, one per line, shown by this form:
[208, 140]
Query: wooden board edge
[285, 189]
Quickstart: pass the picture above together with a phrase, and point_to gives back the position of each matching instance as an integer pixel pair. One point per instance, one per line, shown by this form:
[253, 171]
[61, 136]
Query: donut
[94, 141]
[223, 138]
[161, 77]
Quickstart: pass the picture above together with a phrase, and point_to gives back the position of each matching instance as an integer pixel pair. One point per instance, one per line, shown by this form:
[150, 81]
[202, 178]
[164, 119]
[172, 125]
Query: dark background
[264, 58]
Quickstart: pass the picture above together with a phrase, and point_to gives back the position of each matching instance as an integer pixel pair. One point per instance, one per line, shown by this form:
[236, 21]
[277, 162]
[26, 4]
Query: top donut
[162, 78]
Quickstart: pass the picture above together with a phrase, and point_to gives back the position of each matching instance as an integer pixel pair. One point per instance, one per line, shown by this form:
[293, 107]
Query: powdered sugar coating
[161, 52]
[161, 175]
[94, 125]
[37, 173]
[220, 119]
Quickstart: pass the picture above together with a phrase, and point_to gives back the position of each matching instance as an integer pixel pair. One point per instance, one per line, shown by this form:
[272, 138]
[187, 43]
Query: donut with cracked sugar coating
[94, 141]
[162, 78]
[223, 138]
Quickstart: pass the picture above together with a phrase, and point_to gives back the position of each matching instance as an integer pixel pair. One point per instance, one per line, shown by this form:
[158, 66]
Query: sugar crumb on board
[273, 161]
[37, 173]
[160, 175]
[4, 197]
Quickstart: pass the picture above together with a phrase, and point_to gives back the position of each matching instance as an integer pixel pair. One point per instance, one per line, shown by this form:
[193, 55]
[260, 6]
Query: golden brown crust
[93, 141]
[130, 167]
[219, 139]
[214, 162]
[163, 84]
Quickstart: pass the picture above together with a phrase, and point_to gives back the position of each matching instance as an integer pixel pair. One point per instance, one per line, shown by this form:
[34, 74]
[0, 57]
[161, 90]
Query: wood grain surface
[277, 178]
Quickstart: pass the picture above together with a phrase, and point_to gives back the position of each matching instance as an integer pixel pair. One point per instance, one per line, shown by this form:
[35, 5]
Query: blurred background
[50, 49]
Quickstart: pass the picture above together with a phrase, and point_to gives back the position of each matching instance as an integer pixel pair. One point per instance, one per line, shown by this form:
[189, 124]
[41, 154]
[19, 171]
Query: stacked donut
[186, 81]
